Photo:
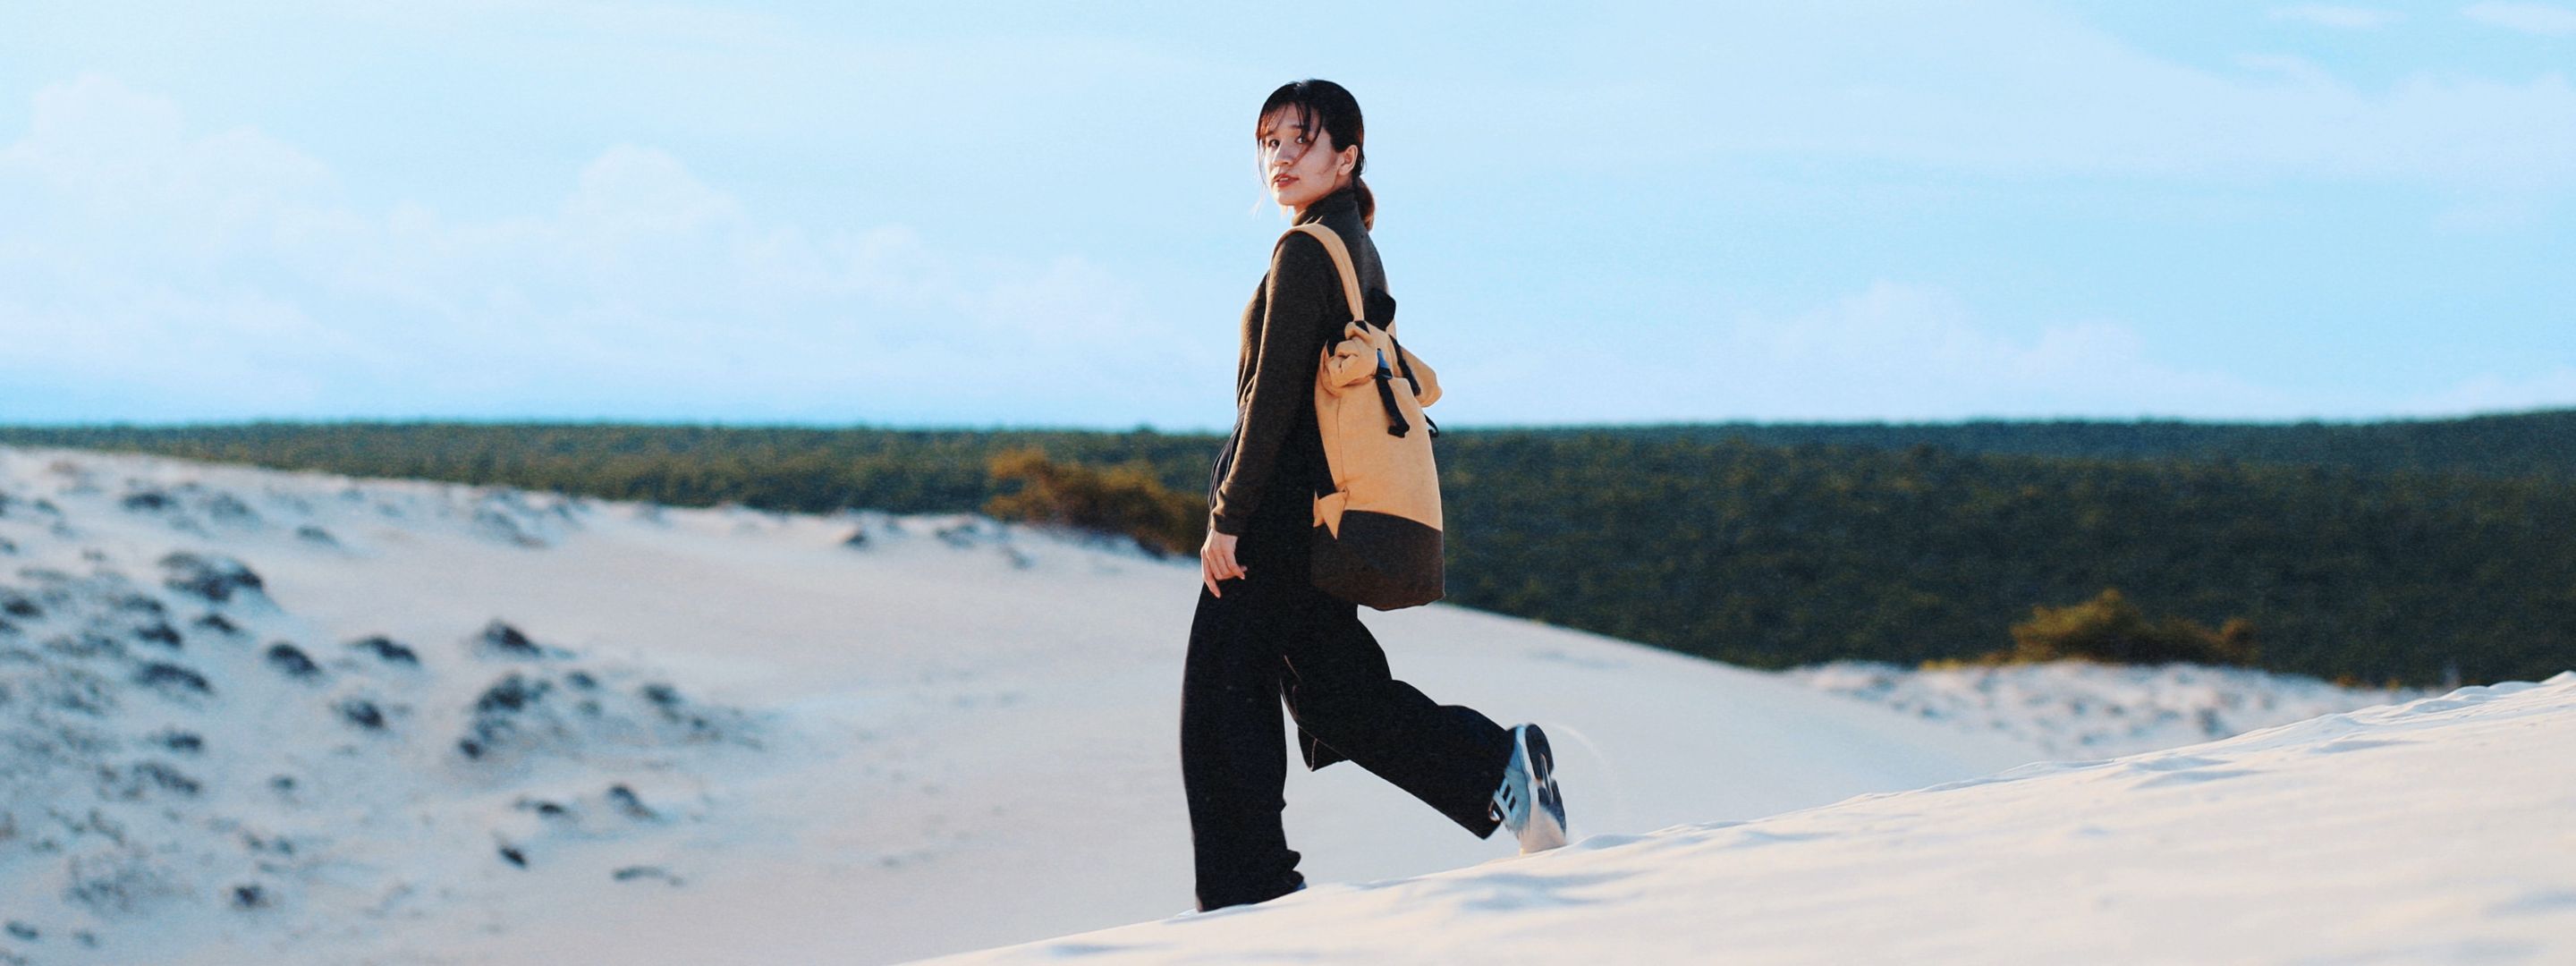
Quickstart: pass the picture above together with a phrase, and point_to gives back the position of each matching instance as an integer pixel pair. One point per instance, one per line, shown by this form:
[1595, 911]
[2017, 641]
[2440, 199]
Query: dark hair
[1326, 106]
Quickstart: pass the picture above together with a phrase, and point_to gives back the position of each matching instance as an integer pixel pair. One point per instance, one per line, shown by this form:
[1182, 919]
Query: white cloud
[2531, 18]
[2020, 90]
[221, 276]
[1890, 351]
[1895, 348]
[121, 160]
[635, 193]
[2346, 18]
[2546, 388]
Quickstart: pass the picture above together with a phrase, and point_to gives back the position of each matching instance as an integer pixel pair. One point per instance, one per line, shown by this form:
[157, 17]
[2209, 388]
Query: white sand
[2431, 832]
[2079, 709]
[923, 745]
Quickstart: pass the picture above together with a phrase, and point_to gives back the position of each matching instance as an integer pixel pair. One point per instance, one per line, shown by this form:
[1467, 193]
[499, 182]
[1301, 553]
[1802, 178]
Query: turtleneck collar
[1345, 199]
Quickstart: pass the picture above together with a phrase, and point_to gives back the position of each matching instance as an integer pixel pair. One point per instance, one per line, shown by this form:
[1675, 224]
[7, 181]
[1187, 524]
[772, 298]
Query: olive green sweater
[1272, 465]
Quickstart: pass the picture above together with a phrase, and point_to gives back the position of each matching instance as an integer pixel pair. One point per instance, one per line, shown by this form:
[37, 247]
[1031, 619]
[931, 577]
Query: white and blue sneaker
[1528, 802]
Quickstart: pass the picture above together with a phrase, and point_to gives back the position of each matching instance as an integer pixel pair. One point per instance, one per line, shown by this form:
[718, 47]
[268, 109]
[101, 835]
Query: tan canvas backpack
[1378, 534]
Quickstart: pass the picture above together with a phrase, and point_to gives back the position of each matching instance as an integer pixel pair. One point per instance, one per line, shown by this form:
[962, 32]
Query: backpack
[1377, 535]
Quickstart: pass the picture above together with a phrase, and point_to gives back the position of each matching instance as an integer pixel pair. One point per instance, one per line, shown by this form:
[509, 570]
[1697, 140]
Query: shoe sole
[1547, 816]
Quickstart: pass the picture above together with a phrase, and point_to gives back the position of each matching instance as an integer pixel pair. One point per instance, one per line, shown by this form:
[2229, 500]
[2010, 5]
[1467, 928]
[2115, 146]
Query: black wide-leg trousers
[1272, 637]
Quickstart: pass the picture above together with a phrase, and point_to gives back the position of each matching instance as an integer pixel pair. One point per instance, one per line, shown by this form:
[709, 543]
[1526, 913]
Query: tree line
[2408, 563]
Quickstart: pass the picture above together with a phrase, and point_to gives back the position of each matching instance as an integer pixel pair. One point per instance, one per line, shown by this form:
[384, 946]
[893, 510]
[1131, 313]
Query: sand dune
[947, 735]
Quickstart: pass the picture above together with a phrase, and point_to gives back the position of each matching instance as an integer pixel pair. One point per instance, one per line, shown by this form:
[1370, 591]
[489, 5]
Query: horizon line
[1150, 428]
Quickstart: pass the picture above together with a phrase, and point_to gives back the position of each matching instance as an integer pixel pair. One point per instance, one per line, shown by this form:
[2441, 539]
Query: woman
[1263, 633]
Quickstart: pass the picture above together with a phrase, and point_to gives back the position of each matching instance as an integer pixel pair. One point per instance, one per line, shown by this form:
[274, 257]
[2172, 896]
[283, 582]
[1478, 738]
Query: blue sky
[1037, 214]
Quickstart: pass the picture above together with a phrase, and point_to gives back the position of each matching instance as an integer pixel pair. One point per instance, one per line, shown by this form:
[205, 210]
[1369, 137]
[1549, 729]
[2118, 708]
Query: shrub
[1127, 499]
[2110, 628]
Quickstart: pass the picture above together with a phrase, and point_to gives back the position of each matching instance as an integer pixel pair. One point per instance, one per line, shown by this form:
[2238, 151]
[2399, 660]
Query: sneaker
[1528, 802]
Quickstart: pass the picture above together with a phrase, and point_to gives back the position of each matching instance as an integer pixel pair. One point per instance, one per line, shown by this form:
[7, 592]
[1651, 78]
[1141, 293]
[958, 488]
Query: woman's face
[1302, 166]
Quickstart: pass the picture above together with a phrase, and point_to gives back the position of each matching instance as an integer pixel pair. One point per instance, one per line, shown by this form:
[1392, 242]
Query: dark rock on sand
[628, 803]
[171, 678]
[159, 632]
[512, 693]
[501, 639]
[140, 780]
[16, 604]
[215, 579]
[633, 872]
[662, 695]
[363, 713]
[147, 501]
[386, 649]
[291, 661]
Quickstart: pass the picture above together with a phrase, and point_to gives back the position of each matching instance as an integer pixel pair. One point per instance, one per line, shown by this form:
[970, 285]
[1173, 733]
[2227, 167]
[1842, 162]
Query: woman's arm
[1295, 301]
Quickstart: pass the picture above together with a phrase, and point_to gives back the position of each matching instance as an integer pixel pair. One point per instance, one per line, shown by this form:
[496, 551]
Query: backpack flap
[1352, 360]
[1430, 391]
[1364, 345]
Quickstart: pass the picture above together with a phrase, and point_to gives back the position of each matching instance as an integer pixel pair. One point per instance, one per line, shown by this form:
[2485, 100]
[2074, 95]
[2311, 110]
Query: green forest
[2397, 551]
[2527, 444]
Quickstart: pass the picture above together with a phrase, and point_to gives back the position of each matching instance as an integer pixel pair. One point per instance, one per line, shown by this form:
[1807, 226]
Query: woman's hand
[1216, 560]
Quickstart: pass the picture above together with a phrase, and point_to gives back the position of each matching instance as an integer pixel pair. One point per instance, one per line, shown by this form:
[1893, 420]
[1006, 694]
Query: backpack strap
[1341, 265]
[1351, 292]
